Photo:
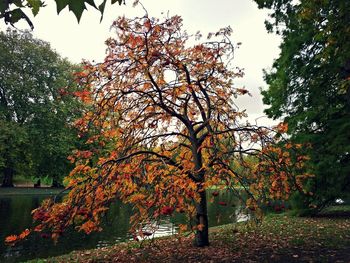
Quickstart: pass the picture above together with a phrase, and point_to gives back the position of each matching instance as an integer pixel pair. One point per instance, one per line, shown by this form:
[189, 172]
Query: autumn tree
[165, 129]
[309, 87]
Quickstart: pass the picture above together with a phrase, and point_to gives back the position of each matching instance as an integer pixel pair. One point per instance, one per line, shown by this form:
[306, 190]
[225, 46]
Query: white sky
[86, 40]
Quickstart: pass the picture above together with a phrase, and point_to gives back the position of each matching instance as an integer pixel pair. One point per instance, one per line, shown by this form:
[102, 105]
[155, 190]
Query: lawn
[10, 191]
[280, 238]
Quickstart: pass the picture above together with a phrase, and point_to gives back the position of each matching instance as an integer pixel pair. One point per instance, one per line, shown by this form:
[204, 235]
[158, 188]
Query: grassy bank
[280, 238]
[11, 191]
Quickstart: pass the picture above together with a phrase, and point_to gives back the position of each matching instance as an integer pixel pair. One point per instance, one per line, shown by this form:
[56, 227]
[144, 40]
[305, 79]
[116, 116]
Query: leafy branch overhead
[13, 11]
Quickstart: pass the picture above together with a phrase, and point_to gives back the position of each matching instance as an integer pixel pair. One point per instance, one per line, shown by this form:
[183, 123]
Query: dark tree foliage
[35, 108]
[14, 10]
[309, 87]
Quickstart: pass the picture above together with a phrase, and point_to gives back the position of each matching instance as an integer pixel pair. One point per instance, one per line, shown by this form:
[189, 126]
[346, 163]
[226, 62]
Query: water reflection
[15, 216]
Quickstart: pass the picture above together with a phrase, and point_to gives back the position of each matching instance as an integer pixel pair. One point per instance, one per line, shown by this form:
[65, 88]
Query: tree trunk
[202, 234]
[8, 177]
[56, 183]
[37, 184]
[345, 74]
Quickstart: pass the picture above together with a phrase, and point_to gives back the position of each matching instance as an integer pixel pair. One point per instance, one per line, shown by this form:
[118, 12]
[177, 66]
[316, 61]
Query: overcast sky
[86, 40]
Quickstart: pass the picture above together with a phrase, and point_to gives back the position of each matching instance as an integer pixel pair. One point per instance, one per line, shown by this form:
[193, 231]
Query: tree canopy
[163, 129]
[35, 108]
[309, 87]
[14, 10]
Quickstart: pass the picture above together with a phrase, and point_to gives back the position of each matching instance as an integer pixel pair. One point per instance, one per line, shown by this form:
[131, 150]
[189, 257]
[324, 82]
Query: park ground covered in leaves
[280, 238]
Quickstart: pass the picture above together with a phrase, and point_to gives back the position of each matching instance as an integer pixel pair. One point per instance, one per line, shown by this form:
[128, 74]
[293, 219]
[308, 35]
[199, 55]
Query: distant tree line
[37, 109]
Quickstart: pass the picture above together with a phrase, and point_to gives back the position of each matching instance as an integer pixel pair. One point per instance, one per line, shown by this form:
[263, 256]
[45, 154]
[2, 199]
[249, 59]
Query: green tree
[35, 108]
[14, 10]
[309, 87]
[14, 156]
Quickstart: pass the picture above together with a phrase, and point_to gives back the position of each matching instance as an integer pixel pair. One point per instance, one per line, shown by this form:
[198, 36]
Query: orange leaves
[147, 24]
[83, 154]
[84, 95]
[242, 91]
[99, 194]
[24, 234]
[274, 184]
[167, 210]
[156, 30]
[81, 74]
[182, 228]
[200, 227]
[38, 228]
[89, 227]
[282, 127]
[251, 204]
[81, 168]
[136, 198]
[135, 41]
[280, 170]
[12, 239]
[41, 213]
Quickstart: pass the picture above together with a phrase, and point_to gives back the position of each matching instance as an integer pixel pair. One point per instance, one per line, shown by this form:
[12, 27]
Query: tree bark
[8, 177]
[56, 183]
[202, 234]
[37, 184]
[345, 74]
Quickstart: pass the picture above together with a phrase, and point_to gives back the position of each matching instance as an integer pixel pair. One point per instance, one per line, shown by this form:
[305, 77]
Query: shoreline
[27, 190]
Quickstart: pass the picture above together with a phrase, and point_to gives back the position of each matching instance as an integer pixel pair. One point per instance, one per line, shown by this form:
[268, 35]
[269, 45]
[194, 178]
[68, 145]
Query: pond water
[15, 217]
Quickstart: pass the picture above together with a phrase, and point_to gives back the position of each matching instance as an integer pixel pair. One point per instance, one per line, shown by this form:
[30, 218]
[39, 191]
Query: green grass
[279, 238]
[29, 191]
[20, 179]
[337, 208]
